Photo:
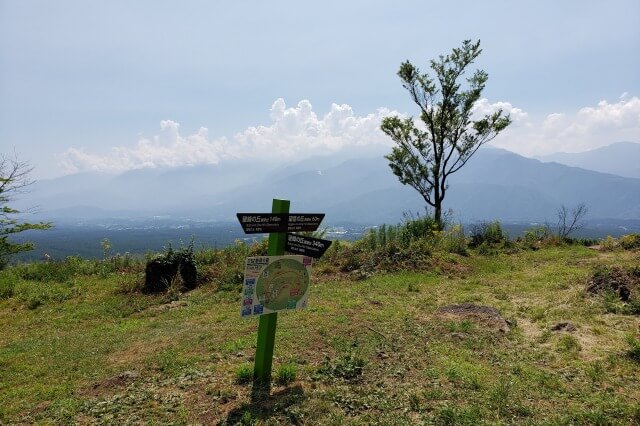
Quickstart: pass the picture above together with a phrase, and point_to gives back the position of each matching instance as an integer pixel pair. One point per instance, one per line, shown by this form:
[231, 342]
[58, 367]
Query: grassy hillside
[78, 344]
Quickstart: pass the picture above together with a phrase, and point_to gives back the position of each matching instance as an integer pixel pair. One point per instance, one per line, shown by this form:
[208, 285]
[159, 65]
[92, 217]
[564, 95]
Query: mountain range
[494, 184]
[622, 158]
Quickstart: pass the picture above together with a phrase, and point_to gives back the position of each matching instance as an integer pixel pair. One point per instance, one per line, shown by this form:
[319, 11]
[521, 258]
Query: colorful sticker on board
[276, 283]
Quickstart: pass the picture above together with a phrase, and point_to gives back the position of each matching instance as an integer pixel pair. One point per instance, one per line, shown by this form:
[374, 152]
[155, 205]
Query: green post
[267, 325]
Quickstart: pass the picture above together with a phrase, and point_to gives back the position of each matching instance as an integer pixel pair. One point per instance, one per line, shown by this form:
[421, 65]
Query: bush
[489, 233]
[629, 241]
[7, 285]
[57, 270]
[454, 241]
[161, 272]
[625, 242]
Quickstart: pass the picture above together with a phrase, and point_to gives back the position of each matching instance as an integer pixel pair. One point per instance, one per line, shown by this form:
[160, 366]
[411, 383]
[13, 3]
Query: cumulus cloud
[168, 149]
[293, 131]
[484, 107]
[297, 131]
[587, 128]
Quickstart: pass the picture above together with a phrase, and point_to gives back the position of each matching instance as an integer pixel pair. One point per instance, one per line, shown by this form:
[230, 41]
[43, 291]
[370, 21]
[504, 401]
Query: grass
[77, 348]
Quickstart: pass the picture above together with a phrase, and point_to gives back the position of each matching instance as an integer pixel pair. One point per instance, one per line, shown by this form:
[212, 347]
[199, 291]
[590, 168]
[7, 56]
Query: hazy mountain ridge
[495, 184]
[621, 158]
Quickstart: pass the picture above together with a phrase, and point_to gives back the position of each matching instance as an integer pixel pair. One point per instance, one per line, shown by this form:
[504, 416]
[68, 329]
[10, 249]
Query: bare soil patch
[486, 316]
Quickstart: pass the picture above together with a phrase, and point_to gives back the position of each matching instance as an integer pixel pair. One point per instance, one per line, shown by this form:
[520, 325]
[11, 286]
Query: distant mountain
[495, 184]
[622, 159]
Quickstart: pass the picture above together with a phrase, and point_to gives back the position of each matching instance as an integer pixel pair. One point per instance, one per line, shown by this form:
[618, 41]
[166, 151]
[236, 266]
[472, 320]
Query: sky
[119, 85]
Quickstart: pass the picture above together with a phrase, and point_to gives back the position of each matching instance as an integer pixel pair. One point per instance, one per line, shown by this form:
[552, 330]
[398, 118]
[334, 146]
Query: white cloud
[293, 131]
[168, 149]
[298, 131]
[587, 128]
[484, 107]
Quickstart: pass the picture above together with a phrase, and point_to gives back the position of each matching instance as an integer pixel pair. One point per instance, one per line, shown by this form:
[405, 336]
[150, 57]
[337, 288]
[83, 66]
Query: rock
[160, 273]
[564, 326]
[189, 274]
[484, 315]
[613, 279]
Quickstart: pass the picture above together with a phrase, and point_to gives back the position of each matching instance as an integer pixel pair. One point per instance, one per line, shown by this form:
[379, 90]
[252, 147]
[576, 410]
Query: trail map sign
[261, 223]
[307, 246]
[275, 283]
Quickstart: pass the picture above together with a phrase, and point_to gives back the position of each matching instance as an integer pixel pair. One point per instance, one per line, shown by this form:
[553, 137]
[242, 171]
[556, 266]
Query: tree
[14, 179]
[425, 156]
[569, 221]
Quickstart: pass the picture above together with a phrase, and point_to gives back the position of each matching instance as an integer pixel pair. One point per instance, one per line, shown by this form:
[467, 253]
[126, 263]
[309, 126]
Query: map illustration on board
[275, 283]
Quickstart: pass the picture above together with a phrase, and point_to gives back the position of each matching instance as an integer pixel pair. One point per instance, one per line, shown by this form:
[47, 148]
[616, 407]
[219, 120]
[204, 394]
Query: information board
[275, 283]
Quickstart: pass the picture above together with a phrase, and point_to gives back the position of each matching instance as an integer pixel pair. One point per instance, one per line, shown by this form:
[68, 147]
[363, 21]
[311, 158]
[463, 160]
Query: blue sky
[88, 85]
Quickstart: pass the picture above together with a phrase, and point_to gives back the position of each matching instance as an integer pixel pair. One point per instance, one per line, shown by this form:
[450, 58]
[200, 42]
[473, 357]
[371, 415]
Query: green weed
[568, 344]
[634, 348]
[286, 373]
[349, 366]
[244, 374]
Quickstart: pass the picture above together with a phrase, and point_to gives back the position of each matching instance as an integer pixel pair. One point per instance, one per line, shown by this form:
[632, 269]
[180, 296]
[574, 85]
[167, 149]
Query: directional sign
[257, 223]
[275, 283]
[260, 223]
[307, 246]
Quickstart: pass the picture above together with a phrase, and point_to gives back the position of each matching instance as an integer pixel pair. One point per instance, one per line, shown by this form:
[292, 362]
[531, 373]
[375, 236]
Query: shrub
[629, 241]
[161, 272]
[7, 285]
[58, 270]
[454, 241]
[487, 232]
[608, 243]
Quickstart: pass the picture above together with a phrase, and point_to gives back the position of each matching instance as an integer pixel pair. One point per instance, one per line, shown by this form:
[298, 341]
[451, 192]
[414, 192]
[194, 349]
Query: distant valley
[354, 189]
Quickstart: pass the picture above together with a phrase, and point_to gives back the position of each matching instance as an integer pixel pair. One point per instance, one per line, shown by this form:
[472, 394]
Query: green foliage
[14, 178]
[534, 237]
[401, 363]
[454, 240]
[184, 254]
[106, 247]
[286, 373]
[58, 270]
[425, 156]
[244, 374]
[596, 371]
[634, 348]
[625, 242]
[629, 241]
[348, 366]
[450, 415]
[568, 344]
[487, 233]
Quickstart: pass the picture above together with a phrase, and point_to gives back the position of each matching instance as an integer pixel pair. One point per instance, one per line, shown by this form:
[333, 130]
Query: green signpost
[276, 282]
[267, 325]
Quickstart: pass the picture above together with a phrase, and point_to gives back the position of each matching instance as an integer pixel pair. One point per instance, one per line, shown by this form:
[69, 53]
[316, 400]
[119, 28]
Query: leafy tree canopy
[14, 179]
[449, 135]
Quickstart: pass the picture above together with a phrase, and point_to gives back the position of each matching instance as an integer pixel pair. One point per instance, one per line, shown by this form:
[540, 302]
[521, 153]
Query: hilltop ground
[83, 348]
